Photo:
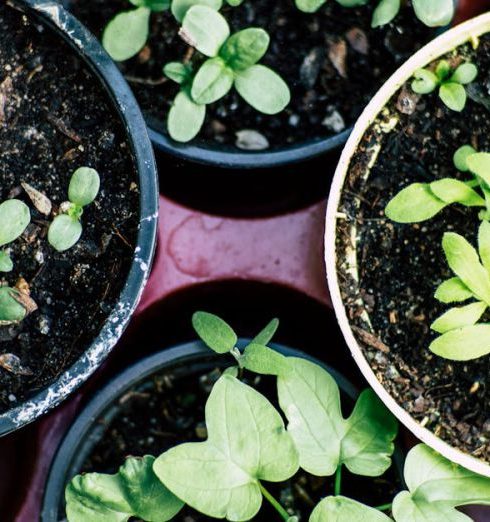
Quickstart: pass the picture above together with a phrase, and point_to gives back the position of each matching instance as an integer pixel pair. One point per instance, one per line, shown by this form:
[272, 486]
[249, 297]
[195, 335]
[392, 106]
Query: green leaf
[443, 70]
[134, 491]
[413, 204]
[213, 81]
[465, 73]
[247, 442]
[342, 509]
[64, 232]
[234, 3]
[463, 344]
[310, 399]
[436, 486]
[434, 13]
[126, 34]
[424, 82]
[245, 48]
[216, 333]
[11, 311]
[463, 260]
[309, 6]
[263, 89]
[265, 361]
[14, 217]
[352, 3]
[84, 186]
[385, 12]
[178, 72]
[453, 291]
[180, 7]
[459, 317]
[205, 29]
[479, 164]
[154, 5]
[461, 157]
[452, 190]
[484, 244]
[185, 118]
[453, 95]
[6, 264]
[265, 336]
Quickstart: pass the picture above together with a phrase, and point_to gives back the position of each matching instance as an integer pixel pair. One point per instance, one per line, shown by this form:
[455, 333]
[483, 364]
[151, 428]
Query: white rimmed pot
[434, 50]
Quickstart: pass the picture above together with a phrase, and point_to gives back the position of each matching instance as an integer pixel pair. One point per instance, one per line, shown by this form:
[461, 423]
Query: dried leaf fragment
[337, 54]
[358, 40]
[11, 363]
[39, 200]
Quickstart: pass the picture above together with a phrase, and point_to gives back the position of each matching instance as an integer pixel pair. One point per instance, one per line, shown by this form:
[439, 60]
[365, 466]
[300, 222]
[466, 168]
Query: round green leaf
[64, 232]
[413, 204]
[215, 332]
[10, 309]
[309, 6]
[126, 34]
[424, 82]
[461, 156]
[14, 218]
[178, 72]
[453, 95]
[434, 13]
[84, 186]
[185, 118]
[212, 81]
[343, 509]
[263, 89]
[205, 29]
[465, 73]
[245, 48]
[180, 7]
[385, 12]
[6, 264]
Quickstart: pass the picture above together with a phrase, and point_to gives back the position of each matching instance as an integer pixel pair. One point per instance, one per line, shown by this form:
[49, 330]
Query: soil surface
[54, 118]
[169, 409]
[400, 266]
[332, 60]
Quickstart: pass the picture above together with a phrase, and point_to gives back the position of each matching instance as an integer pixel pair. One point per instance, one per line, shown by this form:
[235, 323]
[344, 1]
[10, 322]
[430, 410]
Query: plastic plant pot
[442, 45]
[89, 427]
[86, 47]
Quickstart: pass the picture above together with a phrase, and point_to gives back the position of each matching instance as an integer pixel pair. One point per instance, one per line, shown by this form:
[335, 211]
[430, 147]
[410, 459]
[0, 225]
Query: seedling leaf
[434, 13]
[265, 336]
[178, 72]
[413, 204]
[84, 186]
[247, 442]
[453, 291]
[459, 317]
[309, 6]
[452, 190]
[265, 361]
[216, 333]
[465, 73]
[479, 164]
[245, 48]
[6, 264]
[453, 95]
[185, 118]
[64, 232]
[153, 5]
[180, 7]
[385, 12]
[463, 344]
[343, 509]
[461, 156]
[484, 244]
[14, 218]
[11, 311]
[213, 81]
[424, 82]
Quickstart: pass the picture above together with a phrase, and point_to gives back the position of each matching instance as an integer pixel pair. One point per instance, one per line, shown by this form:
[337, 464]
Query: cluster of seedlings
[249, 444]
[63, 233]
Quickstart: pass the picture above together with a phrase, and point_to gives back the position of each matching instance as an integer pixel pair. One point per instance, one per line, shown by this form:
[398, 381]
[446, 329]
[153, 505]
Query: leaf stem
[275, 504]
[384, 507]
[338, 481]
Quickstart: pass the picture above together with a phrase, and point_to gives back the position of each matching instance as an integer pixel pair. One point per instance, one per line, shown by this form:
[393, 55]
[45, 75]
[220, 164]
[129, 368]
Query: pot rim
[86, 47]
[438, 47]
[176, 356]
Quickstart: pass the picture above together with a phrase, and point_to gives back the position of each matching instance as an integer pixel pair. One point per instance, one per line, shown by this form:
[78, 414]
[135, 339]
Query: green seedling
[451, 83]
[232, 61]
[66, 228]
[432, 13]
[14, 218]
[11, 309]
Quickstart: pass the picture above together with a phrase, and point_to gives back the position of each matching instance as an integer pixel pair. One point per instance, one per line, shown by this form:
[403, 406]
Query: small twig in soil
[63, 128]
[121, 237]
[371, 340]
[146, 81]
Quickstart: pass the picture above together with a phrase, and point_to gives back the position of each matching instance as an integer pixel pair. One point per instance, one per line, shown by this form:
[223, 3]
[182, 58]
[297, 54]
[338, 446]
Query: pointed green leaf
[406, 509]
[134, 491]
[10, 309]
[245, 48]
[64, 232]
[479, 164]
[461, 157]
[180, 7]
[6, 264]
[178, 72]
[205, 29]
[484, 244]
[385, 12]
[263, 89]
[265, 336]
[342, 509]
[264, 361]
[84, 186]
[465, 73]
[454, 191]
[453, 291]
[463, 344]
[216, 333]
[126, 34]
[247, 442]
[213, 80]
[443, 70]
[463, 260]
[453, 95]
[14, 217]
[424, 82]
[459, 317]
[434, 13]
[413, 204]
[185, 118]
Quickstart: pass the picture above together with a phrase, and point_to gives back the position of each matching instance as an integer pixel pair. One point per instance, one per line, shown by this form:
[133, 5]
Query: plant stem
[275, 504]
[338, 481]
[384, 507]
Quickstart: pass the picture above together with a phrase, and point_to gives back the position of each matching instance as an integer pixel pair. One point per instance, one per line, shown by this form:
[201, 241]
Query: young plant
[14, 218]
[66, 228]
[232, 61]
[432, 13]
[450, 82]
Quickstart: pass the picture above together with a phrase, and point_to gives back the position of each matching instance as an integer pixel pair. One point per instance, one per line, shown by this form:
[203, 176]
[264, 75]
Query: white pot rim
[435, 49]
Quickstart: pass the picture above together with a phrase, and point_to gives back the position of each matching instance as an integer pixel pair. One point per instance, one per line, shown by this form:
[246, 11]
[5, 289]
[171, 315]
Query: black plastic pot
[53, 16]
[92, 422]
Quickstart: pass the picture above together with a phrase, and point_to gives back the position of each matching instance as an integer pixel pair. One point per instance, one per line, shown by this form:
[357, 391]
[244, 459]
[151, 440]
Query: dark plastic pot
[52, 15]
[92, 422]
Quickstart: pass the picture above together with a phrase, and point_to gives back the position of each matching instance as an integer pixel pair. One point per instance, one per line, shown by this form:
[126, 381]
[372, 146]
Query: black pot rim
[176, 356]
[86, 46]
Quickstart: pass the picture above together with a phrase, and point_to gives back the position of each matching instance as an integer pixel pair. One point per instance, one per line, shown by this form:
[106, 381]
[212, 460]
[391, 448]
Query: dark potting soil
[332, 60]
[54, 118]
[400, 266]
[168, 410]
